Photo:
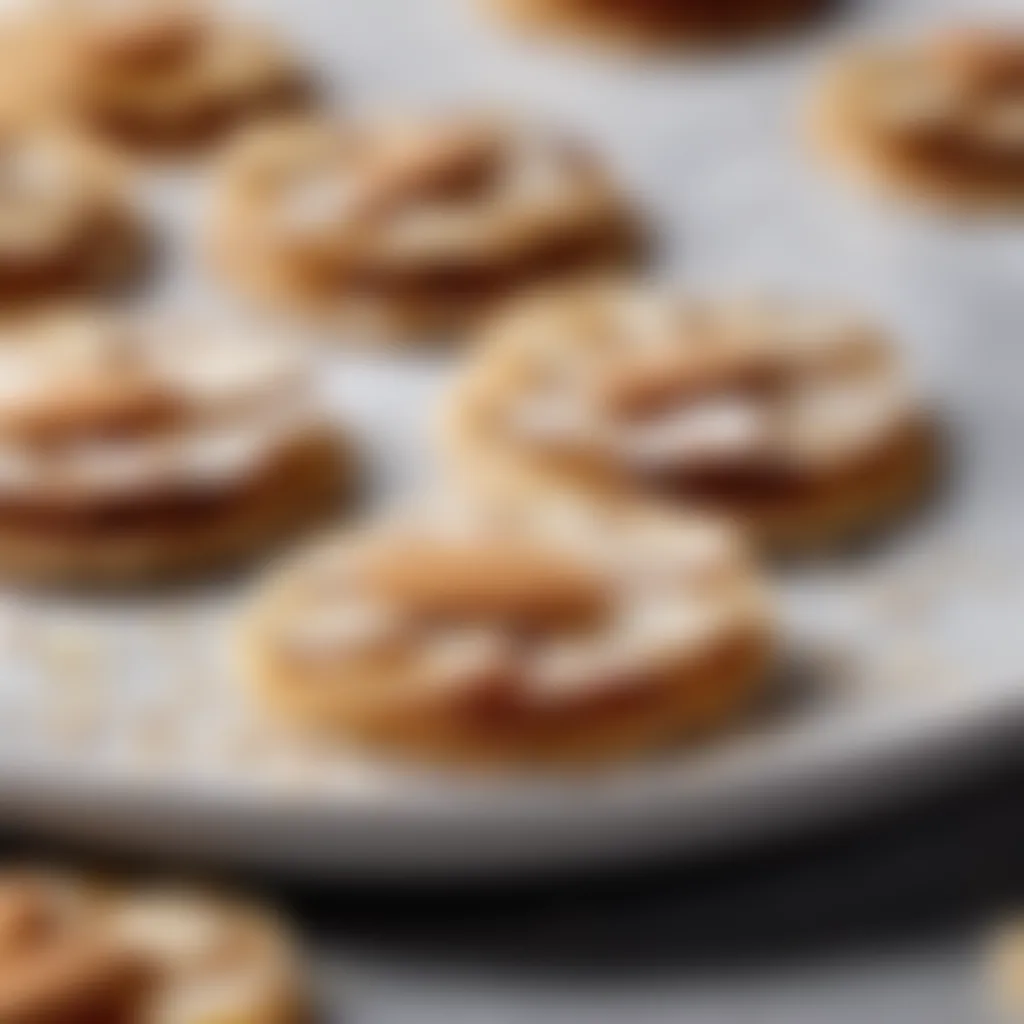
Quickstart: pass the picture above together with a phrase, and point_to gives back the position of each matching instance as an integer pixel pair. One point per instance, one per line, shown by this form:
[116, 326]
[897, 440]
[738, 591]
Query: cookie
[941, 119]
[513, 633]
[155, 76]
[799, 423]
[395, 226]
[656, 24]
[74, 951]
[130, 451]
[67, 223]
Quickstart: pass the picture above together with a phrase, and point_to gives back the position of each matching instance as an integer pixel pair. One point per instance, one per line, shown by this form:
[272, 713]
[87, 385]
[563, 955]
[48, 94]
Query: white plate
[118, 725]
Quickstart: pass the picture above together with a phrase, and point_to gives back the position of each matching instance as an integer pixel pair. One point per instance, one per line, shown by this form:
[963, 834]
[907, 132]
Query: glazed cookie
[153, 75]
[654, 23]
[67, 225]
[129, 451]
[398, 225]
[941, 119]
[520, 633]
[798, 422]
[77, 952]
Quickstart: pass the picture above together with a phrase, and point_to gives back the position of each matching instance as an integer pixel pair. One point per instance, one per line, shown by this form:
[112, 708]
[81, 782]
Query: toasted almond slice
[482, 582]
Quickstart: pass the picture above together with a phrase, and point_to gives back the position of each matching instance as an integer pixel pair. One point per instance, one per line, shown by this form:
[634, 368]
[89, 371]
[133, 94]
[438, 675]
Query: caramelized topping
[981, 60]
[137, 35]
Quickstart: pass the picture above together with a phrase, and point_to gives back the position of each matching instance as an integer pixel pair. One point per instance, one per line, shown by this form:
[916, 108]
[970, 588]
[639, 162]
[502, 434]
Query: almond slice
[481, 582]
[645, 387]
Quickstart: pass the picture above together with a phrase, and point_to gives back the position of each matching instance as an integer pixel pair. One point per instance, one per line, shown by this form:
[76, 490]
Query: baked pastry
[514, 633]
[797, 422]
[654, 23]
[160, 76]
[399, 225]
[67, 224]
[942, 118]
[129, 451]
[73, 951]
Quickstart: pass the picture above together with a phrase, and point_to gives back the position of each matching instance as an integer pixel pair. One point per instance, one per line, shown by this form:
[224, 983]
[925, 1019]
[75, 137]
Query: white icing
[347, 628]
[553, 419]
[650, 631]
[724, 427]
[421, 231]
[225, 455]
[567, 669]
[459, 658]
[663, 554]
[323, 199]
[173, 930]
[227, 369]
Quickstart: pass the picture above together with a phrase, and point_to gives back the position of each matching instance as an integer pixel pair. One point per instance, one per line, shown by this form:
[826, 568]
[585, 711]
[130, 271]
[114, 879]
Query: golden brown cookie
[521, 633]
[156, 76]
[400, 225]
[78, 952]
[940, 119]
[67, 223]
[129, 451]
[797, 422]
[654, 23]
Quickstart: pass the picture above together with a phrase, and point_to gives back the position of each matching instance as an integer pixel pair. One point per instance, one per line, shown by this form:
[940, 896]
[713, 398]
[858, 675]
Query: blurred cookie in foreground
[1004, 971]
[798, 422]
[656, 24]
[131, 450]
[68, 225]
[941, 118]
[514, 634]
[73, 951]
[157, 76]
[399, 225]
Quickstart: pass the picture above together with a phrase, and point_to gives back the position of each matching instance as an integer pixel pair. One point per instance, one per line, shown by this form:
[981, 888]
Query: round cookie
[155, 76]
[656, 24]
[74, 951]
[797, 422]
[939, 119]
[131, 451]
[514, 634]
[401, 225]
[67, 225]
